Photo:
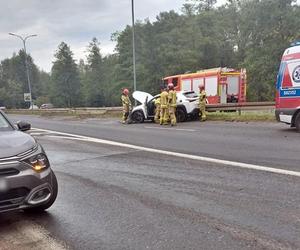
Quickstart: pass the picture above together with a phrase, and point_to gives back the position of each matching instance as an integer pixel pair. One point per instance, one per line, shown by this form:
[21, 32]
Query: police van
[288, 87]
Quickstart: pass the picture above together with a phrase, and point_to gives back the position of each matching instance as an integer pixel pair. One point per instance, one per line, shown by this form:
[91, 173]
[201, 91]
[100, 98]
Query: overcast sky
[75, 22]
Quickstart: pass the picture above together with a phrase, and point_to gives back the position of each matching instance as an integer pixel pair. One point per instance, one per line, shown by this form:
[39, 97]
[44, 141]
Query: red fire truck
[222, 85]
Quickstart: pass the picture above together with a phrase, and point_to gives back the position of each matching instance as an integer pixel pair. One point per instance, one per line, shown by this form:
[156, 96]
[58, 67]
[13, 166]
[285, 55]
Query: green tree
[13, 78]
[203, 5]
[65, 89]
[241, 33]
[269, 27]
[94, 85]
[111, 80]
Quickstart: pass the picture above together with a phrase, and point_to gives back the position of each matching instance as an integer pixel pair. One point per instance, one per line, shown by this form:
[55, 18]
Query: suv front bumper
[22, 187]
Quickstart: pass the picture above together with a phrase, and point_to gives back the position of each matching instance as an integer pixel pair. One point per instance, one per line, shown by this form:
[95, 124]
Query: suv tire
[138, 116]
[181, 115]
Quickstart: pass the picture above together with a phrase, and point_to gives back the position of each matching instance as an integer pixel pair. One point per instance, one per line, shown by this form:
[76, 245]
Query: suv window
[4, 124]
[190, 94]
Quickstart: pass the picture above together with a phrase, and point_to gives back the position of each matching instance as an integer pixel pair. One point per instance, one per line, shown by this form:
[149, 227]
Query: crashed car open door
[140, 113]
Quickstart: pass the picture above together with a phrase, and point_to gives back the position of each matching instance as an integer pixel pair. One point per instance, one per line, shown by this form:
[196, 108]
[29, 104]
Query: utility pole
[26, 63]
[133, 47]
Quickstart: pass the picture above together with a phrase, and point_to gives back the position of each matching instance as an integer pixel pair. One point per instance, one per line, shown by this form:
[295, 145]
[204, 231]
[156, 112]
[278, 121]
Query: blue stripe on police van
[290, 92]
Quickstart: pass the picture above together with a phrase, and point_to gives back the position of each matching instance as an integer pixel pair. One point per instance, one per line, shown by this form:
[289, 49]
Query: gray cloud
[74, 21]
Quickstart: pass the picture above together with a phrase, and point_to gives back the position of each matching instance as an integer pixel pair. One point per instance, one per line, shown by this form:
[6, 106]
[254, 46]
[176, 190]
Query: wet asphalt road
[118, 198]
[267, 144]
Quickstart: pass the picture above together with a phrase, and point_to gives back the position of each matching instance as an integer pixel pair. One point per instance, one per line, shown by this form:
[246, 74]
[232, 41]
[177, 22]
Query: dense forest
[242, 33]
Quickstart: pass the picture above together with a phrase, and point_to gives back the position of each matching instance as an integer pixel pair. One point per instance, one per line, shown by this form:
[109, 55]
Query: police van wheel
[138, 117]
[297, 122]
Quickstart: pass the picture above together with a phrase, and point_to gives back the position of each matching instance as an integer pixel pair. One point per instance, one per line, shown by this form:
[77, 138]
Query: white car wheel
[138, 116]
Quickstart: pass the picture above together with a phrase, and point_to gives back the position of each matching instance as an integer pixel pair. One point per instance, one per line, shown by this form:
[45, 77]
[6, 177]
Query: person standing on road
[157, 109]
[202, 103]
[126, 103]
[164, 108]
[172, 103]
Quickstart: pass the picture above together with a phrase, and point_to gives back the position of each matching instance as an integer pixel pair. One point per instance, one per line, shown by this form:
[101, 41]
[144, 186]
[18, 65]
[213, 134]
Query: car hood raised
[141, 96]
[15, 142]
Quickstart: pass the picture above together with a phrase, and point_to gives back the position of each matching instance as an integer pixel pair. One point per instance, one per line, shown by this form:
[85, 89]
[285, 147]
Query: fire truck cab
[222, 85]
[288, 87]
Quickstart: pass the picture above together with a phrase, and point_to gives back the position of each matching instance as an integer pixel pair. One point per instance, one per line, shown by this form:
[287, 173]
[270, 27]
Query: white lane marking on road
[36, 134]
[178, 129]
[181, 155]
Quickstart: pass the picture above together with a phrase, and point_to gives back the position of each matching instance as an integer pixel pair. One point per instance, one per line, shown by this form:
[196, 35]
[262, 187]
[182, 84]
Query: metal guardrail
[103, 110]
[241, 106]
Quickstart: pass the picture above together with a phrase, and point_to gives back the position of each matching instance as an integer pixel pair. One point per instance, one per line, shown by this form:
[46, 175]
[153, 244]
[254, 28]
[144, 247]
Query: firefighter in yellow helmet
[202, 103]
[164, 108]
[172, 104]
[126, 103]
[157, 108]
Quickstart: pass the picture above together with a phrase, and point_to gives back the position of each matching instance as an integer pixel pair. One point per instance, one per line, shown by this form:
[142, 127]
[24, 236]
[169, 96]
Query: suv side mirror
[23, 126]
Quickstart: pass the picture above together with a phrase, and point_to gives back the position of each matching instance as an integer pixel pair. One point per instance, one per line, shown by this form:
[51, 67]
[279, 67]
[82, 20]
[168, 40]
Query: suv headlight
[38, 162]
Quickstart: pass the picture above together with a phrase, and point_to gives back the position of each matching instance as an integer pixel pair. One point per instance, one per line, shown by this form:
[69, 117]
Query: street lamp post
[133, 46]
[26, 64]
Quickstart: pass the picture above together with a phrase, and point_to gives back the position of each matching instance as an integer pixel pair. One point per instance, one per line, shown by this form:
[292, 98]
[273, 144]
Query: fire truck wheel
[297, 122]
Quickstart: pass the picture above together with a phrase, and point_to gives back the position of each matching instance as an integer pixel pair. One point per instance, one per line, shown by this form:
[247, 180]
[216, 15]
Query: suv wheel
[138, 116]
[181, 115]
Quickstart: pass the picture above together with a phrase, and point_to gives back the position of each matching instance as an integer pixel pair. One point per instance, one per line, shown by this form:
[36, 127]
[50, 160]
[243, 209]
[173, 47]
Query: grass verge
[245, 116]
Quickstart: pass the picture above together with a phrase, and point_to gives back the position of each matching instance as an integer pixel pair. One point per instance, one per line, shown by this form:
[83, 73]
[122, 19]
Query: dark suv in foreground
[26, 179]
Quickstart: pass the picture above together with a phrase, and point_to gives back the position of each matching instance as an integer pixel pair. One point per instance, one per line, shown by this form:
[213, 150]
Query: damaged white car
[187, 106]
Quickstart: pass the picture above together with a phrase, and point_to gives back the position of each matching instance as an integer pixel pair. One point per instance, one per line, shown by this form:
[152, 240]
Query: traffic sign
[27, 97]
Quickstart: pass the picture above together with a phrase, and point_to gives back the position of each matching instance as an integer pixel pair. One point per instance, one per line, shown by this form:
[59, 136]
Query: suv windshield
[4, 124]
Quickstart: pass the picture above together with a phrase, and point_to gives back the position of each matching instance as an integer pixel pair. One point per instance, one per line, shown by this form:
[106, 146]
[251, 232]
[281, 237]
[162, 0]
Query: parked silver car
[26, 179]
